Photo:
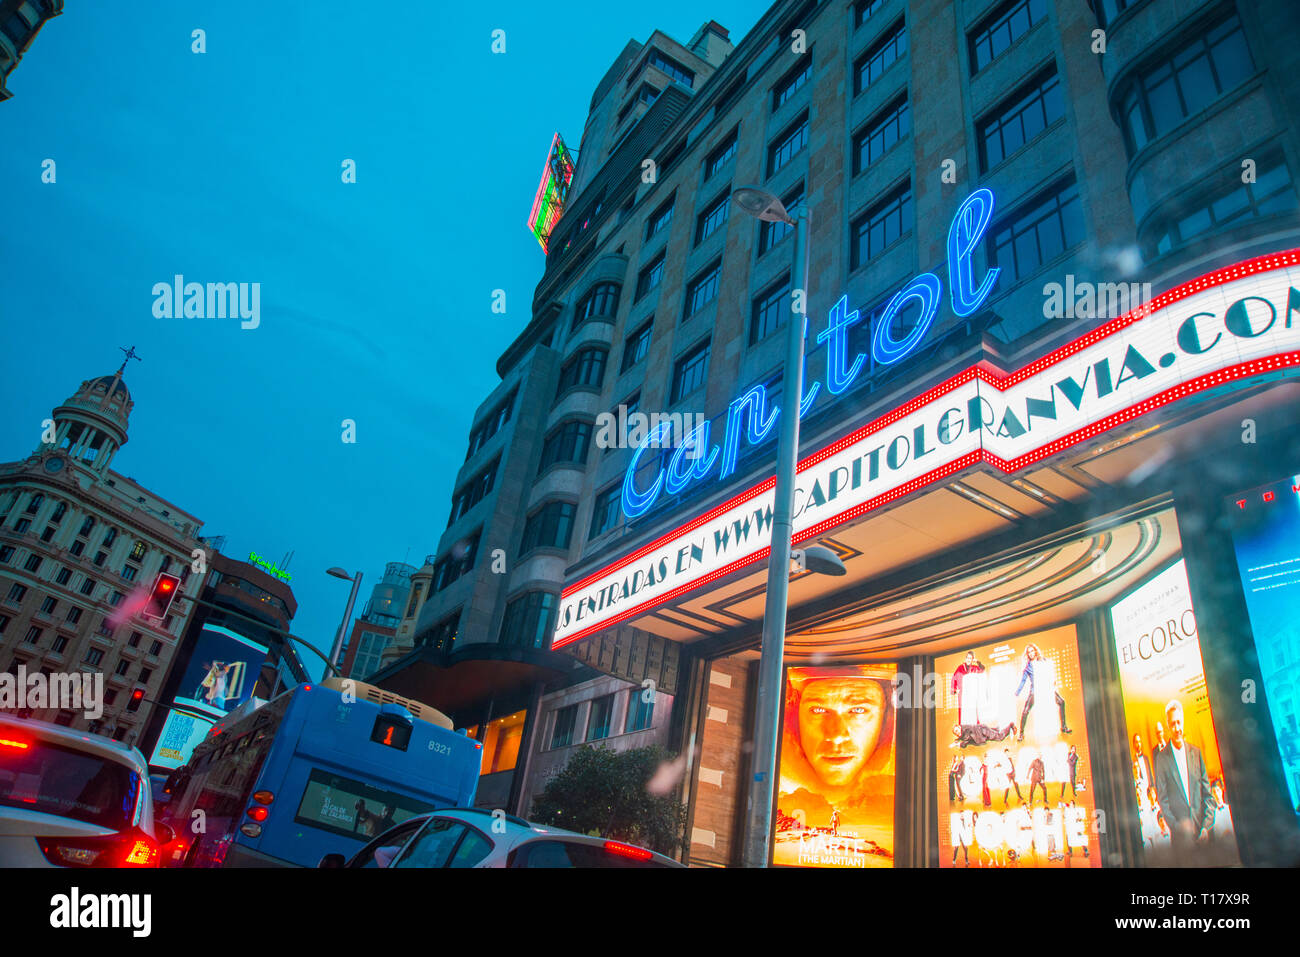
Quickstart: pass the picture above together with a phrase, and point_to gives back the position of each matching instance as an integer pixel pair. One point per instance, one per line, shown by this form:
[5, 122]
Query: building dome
[103, 383]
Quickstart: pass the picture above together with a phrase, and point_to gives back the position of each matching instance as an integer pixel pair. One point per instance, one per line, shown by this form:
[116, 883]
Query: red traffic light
[137, 694]
[160, 599]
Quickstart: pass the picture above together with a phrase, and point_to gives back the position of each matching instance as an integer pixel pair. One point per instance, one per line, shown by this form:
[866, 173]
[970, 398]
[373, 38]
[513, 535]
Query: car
[73, 799]
[476, 837]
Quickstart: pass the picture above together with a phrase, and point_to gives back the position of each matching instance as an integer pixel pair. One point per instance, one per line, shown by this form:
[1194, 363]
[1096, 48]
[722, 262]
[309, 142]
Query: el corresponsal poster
[1178, 782]
[835, 803]
[1012, 756]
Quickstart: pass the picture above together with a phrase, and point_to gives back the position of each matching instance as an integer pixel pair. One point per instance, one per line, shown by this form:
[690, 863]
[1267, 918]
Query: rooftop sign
[269, 567]
[1239, 322]
[548, 204]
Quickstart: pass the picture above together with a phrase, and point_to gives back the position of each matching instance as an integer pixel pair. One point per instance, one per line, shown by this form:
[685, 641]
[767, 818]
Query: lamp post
[347, 616]
[766, 207]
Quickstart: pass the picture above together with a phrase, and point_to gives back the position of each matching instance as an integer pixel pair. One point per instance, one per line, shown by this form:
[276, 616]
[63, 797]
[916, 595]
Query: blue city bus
[319, 769]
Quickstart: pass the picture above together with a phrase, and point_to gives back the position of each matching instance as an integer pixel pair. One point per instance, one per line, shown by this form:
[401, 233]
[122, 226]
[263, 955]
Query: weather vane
[130, 354]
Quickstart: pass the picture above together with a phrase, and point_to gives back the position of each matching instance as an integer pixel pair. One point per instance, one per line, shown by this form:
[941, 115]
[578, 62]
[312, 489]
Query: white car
[475, 837]
[73, 799]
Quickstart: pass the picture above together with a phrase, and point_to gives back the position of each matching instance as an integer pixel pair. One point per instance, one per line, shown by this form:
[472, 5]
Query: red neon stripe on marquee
[993, 378]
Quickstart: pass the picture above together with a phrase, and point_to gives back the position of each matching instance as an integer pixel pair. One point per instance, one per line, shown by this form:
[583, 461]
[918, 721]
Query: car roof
[520, 830]
[97, 744]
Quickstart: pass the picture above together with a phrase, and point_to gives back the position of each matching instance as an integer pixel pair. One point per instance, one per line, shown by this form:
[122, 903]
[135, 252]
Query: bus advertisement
[317, 770]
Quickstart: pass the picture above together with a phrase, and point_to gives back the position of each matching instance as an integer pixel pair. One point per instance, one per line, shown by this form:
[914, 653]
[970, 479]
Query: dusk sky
[375, 296]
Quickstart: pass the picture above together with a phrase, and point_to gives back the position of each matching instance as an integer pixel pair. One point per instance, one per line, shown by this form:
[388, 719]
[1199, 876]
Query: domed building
[80, 545]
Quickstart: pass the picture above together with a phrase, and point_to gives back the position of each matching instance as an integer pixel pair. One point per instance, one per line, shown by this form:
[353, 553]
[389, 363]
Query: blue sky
[375, 296]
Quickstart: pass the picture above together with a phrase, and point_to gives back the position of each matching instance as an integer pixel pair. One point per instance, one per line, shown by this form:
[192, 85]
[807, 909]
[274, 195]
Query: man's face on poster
[1175, 718]
[839, 725]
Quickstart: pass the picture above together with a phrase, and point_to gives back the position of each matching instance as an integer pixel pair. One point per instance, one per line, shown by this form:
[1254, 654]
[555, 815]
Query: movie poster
[1015, 781]
[1182, 798]
[221, 673]
[181, 734]
[835, 802]
[1266, 535]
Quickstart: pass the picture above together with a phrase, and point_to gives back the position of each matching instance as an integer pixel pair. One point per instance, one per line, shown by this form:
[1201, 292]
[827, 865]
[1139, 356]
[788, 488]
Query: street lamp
[764, 206]
[347, 616]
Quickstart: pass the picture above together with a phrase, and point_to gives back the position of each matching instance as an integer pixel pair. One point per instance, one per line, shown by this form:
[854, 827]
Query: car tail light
[14, 744]
[257, 813]
[628, 850]
[263, 797]
[129, 849]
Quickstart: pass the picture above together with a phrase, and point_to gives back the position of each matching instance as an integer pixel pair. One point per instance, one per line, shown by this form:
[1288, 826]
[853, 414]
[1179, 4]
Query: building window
[59, 511]
[473, 491]
[1272, 192]
[600, 303]
[568, 442]
[640, 713]
[155, 649]
[637, 345]
[658, 222]
[604, 515]
[87, 526]
[59, 645]
[110, 538]
[703, 289]
[881, 226]
[864, 9]
[490, 424]
[883, 54]
[36, 501]
[100, 559]
[49, 532]
[1164, 94]
[566, 719]
[115, 599]
[791, 83]
[1019, 118]
[137, 551]
[33, 563]
[768, 310]
[1038, 231]
[648, 278]
[6, 553]
[442, 637]
[22, 525]
[721, 156]
[689, 372]
[527, 620]
[122, 668]
[134, 640]
[771, 233]
[33, 635]
[883, 130]
[4, 623]
[17, 593]
[670, 66]
[73, 616]
[48, 605]
[585, 369]
[129, 572]
[1003, 27]
[598, 721]
[457, 562]
[713, 216]
[77, 547]
[791, 140]
[94, 656]
[551, 526]
[64, 575]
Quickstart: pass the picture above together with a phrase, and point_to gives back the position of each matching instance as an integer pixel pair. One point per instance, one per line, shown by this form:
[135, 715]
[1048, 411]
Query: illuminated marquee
[750, 414]
[1239, 322]
[548, 204]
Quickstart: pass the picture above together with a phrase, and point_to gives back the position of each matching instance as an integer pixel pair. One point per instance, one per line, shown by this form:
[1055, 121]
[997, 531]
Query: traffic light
[160, 599]
[137, 696]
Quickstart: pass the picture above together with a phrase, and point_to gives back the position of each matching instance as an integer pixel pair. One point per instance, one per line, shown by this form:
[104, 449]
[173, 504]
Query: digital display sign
[392, 732]
[181, 734]
[221, 673]
[835, 800]
[1266, 537]
[351, 808]
[1178, 780]
[548, 204]
[1012, 758]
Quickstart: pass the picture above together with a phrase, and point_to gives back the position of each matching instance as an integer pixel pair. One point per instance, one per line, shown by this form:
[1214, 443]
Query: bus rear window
[344, 806]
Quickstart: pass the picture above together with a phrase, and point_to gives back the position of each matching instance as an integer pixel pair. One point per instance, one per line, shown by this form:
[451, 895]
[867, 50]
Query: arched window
[37, 500]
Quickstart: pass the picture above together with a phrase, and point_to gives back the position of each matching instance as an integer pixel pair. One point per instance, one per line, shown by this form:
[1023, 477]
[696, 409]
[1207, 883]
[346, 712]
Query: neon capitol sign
[752, 416]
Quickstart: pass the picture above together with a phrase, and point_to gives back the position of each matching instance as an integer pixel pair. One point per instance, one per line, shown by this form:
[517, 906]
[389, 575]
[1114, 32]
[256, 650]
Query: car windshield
[56, 780]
